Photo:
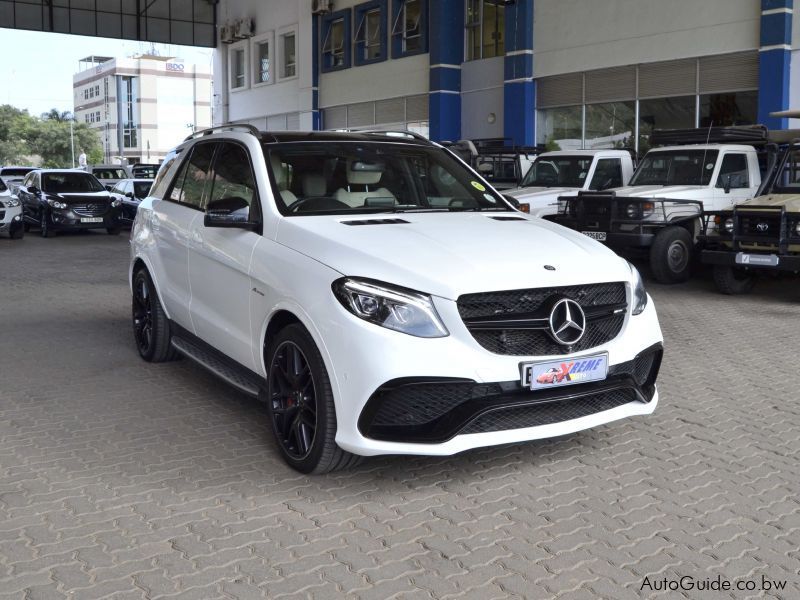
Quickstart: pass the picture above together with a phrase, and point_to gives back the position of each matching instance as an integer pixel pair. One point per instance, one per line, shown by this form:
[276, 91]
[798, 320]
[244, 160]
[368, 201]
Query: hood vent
[508, 218]
[375, 222]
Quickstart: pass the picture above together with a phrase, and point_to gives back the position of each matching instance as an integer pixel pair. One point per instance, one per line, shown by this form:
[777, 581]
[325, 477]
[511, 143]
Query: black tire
[733, 281]
[17, 231]
[671, 255]
[150, 324]
[300, 404]
[113, 230]
[26, 226]
[44, 225]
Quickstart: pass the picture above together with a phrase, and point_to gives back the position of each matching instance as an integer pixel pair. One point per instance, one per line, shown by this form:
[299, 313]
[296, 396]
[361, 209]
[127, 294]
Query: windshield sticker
[489, 198]
[582, 176]
[709, 166]
[478, 186]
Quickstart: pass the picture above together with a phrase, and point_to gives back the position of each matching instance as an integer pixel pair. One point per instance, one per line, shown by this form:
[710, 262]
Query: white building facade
[143, 106]
[562, 73]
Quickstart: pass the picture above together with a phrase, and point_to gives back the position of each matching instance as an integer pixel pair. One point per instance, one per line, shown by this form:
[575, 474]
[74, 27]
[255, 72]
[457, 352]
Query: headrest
[314, 184]
[278, 171]
[362, 177]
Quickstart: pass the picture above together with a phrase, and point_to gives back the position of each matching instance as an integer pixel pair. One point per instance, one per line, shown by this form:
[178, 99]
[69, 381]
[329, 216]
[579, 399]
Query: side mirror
[34, 190]
[485, 168]
[231, 212]
[512, 201]
[727, 186]
[129, 194]
[109, 187]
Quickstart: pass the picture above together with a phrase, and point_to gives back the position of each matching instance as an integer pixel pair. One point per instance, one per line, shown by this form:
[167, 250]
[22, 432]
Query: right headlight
[389, 306]
[728, 225]
[639, 295]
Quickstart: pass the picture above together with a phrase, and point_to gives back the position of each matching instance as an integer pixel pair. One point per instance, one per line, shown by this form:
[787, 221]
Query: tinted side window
[190, 183]
[160, 181]
[607, 175]
[735, 167]
[234, 187]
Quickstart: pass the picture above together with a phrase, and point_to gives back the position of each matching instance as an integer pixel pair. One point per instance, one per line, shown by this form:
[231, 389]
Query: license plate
[91, 219]
[568, 371]
[600, 236]
[757, 260]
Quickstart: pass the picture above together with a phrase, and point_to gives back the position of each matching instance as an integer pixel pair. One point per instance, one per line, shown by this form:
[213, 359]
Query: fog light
[729, 225]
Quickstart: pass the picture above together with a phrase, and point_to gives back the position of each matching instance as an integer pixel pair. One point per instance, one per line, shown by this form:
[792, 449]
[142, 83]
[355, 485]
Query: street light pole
[72, 141]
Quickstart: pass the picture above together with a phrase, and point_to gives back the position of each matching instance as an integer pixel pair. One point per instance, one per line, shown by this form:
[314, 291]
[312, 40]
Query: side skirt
[221, 365]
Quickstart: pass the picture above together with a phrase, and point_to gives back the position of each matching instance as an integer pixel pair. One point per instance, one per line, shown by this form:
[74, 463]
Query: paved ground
[127, 480]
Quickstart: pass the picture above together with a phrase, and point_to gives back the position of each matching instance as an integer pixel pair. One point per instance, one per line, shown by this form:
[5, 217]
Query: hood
[689, 192]
[82, 196]
[449, 254]
[532, 194]
[790, 201]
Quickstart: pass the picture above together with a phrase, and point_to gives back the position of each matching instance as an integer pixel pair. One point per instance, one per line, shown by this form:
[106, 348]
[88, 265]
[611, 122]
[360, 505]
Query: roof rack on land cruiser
[227, 127]
[754, 135]
[395, 133]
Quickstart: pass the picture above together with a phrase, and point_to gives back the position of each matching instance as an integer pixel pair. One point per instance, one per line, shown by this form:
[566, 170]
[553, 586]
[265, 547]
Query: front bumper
[728, 258]
[9, 216]
[641, 237]
[367, 358]
[63, 220]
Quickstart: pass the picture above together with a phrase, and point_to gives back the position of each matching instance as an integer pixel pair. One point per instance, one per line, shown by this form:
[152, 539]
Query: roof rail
[395, 133]
[227, 127]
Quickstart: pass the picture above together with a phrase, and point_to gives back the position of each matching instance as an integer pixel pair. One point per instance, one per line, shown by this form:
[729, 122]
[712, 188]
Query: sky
[36, 68]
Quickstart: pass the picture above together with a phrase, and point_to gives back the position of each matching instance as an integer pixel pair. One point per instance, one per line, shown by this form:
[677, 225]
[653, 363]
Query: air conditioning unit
[226, 34]
[244, 28]
[320, 7]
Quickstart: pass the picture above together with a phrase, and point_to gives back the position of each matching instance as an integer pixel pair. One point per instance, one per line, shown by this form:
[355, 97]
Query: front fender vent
[375, 222]
[508, 218]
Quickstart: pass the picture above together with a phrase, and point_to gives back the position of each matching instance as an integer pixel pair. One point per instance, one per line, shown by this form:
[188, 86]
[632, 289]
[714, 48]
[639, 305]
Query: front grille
[2, 215]
[549, 413]
[90, 209]
[601, 302]
[766, 227]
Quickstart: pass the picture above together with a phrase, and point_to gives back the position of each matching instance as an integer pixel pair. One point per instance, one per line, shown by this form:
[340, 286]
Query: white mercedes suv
[382, 298]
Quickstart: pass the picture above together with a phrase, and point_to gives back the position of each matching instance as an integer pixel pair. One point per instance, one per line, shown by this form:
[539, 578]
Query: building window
[664, 113]
[336, 41]
[97, 116]
[262, 51]
[129, 98]
[86, 94]
[86, 118]
[486, 23]
[370, 37]
[237, 68]
[288, 59]
[561, 128]
[97, 90]
[409, 29]
[737, 108]
[610, 125]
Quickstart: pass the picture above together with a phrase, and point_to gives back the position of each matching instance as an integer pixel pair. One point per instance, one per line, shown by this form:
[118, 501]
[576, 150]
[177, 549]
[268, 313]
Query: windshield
[145, 171]
[70, 183]
[141, 188]
[343, 178]
[676, 167]
[558, 171]
[15, 173]
[109, 173]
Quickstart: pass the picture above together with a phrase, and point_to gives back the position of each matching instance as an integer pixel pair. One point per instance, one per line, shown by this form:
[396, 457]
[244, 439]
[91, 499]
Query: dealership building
[141, 106]
[566, 73]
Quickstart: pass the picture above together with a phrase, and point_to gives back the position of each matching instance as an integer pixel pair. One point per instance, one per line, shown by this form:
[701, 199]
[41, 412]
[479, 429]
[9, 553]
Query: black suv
[59, 199]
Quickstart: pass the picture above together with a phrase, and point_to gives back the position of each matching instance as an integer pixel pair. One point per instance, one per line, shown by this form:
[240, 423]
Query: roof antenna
[703, 164]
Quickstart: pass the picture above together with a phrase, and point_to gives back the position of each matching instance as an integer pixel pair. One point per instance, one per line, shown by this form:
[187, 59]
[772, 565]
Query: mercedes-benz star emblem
[762, 227]
[567, 322]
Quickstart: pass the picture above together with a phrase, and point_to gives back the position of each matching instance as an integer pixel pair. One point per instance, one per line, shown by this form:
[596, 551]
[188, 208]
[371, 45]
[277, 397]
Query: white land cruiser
[10, 213]
[565, 173]
[661, 210]
[382, 298]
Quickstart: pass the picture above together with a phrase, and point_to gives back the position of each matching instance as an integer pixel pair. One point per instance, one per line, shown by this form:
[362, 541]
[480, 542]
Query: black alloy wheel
[300, 403]
[293, 400]
[150, 324]
[44, 225]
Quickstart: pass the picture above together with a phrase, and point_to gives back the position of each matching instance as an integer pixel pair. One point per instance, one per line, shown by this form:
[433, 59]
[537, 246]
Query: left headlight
[389, 306]
[639, 293]
[115, 202]
[57, 204]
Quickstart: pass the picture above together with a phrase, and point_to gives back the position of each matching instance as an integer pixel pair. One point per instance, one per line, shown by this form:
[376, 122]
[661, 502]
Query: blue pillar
[316, 117]
[774, 61]
[446, 55]
[519, 105]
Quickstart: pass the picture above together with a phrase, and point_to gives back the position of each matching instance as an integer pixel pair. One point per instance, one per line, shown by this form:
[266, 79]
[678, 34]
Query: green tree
[54, 115]
[52, 141]
[15, 125]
